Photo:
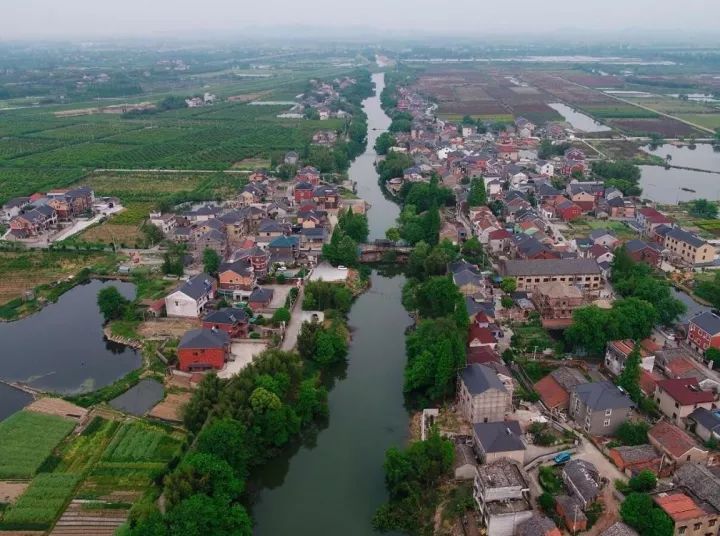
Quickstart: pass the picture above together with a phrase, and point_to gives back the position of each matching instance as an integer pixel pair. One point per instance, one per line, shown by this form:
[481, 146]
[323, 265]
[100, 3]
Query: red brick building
[203, 349]
[303, 192]
[704, 331]
[232, 321]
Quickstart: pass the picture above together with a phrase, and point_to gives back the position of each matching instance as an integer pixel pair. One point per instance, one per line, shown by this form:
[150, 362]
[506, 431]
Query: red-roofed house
[499, 240]
[678, 398]
[482, 355]
[688, 517]
[649, 218]
[648, 382]
[481, 336]
[552, 393]
[633, 459]
[677, 446]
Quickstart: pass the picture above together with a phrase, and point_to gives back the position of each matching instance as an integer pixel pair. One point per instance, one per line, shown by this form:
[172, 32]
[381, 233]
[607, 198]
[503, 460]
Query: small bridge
[380, 250]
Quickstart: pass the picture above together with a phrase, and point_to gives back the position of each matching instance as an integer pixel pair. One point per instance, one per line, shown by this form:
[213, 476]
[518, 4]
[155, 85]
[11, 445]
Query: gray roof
[465, 277]
[462, 264]
[537, 525]
[602, 396]
[599, 233]
[197, 286]
[478, 379]
[701, 481]
[261, 295]
[240, 266]
[473, 307]
[542, 267]
[708, 322]
[635, 245]
[585, 477]
[571, 506]
[568, 377]
[204, 338]
[706, 418]
[229, 315]
[637, 453]
[499, 436]
[619, 529]
[684, 236]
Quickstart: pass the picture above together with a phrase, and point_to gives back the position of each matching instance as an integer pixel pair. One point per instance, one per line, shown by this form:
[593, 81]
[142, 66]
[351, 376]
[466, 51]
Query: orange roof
[679, 366]
[671, 439]
[648, 381]
[679, 506]
[650, 345]
[625, 346]
[551, 392]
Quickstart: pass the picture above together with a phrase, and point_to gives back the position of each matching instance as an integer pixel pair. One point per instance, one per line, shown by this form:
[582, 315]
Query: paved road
[293, 328]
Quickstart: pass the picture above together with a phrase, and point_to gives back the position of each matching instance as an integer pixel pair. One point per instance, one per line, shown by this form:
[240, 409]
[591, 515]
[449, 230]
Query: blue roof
[284, 242]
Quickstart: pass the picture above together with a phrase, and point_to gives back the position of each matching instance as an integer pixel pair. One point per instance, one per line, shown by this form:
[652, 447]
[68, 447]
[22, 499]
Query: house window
[677, 405]
[697, 526]
[606, 422]
[688, 457]
[608, 412]
[712, 522]
[681, 530]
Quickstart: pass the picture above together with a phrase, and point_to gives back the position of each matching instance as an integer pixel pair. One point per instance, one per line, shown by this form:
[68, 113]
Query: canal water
[141, 398]
[334, 481]
[334, 484]
[12, 400]
[702, 156]
[383, 212]
[578, 120]
[62, 348]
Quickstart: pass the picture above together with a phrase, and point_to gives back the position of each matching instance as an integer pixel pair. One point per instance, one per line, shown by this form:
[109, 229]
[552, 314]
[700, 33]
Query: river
[383, 212]
[334, 481]
[62, 348]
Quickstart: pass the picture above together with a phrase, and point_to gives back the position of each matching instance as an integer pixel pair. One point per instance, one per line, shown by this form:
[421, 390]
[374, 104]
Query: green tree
[281, 315]
[506, 302]
[306, 342]
[211, 261]
[227, 439]
[629, 378]
[640, 512]
[331, 345]
[508, 285]
[354, 225]
[436, 297]
[202, 473]
[713, 355]
[702, 208]
[477, 196]
[342, 249]
[112, 304]
[474, 252]
[384, 142]
[632, 433]
[393, 234]
[645, 480]
[173, 259]
[201, 515]
[588, 329]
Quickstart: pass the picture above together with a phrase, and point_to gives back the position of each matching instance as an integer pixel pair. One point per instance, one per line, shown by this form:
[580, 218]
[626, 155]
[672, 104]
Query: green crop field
[711, 120]
[27, 439]
[41, 504]
[135, 442]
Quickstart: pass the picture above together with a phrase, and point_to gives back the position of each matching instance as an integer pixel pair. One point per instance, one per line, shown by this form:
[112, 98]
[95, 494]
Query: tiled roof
[551, 392]
[541, 267]
[679, 506]
[708, 322]
[499, 436]
[701, 481]
[686, 391]
[204, 338]
[602, 396]
[479, 378]
[585, 477]
[671, 438]
[684, 236]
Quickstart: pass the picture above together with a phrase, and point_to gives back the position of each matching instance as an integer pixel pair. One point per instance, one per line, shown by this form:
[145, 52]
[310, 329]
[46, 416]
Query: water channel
[578, 120]
[62, 348]
[333, 482]
[383, 212]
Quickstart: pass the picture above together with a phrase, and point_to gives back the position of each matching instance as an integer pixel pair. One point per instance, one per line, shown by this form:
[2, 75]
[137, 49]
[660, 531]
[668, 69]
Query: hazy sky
[20, 19]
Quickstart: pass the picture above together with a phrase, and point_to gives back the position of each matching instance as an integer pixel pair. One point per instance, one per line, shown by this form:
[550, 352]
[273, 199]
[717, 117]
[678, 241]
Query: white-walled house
[191, 298]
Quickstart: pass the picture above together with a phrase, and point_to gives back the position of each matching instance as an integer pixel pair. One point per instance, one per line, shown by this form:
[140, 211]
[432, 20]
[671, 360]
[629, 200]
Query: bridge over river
[378, 251]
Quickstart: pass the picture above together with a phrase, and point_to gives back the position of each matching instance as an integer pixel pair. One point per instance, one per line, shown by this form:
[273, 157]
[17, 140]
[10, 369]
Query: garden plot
[41, 504]
[26, 439]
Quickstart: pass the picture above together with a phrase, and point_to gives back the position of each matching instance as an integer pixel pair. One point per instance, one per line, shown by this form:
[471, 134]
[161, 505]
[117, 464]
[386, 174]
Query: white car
[341, 267]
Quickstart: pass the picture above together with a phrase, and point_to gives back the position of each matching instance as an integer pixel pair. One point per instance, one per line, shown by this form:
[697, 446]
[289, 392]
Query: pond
[578, 120]
[62, 347]
[702, 156]
[141, 398]
[12, 400]
[664, 185]
[334, 481]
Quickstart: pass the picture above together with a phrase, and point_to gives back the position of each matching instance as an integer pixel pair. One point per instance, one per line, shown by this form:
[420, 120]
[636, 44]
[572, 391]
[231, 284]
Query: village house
[562, 208]
[482, 397]
[528, 274]
[555, 388]
[582, 480]
[704, 331]
[12, 208]
[165, 222]
[678, 447]
[618, 351]
[231, 320]
[556, 302]
[191, 298]
[633, 459]
[701, 481]
[203, 349]
[599, 407]
[326, 197]
[647, 252]
[649, 218]
[538, 525]
[573, 161]
[502, 496]
[34, 222]
[688, 517]
[705, 423]
[260, 298]
[679, 397]
[499, 240]
[284, 249]
[303, 192]
[236, 278]
[688, 248]
[495, 440]
[214, 240]
[570, 511]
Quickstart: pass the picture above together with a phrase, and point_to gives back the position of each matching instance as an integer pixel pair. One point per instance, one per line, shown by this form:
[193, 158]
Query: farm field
[27, 439]
[668, 128]
[95, 477]
[707, 120]
[21, 271]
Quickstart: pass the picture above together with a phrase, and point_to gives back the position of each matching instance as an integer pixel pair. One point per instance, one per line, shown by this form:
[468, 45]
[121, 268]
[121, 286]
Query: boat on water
[688, 190]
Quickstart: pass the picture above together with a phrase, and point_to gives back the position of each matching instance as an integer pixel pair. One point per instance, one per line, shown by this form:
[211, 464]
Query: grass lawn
[27, 439]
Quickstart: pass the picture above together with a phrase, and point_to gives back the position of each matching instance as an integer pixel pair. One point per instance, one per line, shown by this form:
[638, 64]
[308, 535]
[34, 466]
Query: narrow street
[293, 327]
